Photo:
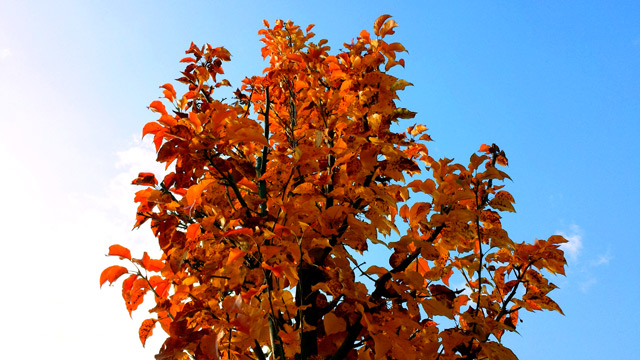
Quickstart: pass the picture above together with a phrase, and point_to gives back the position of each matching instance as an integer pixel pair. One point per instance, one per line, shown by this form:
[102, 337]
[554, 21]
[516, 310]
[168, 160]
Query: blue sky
[555, 84]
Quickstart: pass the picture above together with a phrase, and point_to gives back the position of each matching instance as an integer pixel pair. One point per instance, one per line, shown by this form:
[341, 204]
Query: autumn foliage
[271, 195]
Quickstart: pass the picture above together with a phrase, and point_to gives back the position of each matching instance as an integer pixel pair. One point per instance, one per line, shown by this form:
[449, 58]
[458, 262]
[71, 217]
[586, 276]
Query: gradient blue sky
[555, 83]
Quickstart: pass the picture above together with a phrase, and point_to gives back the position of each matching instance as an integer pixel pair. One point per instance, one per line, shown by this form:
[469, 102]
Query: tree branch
[347, 344]
[382, 281]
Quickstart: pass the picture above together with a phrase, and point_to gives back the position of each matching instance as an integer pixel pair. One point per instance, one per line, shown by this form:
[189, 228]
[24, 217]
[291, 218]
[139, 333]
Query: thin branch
[151, 287]
[382, 281]
[503, 310]
[257, 349]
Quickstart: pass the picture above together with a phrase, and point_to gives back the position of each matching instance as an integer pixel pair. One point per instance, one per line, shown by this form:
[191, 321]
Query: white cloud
[5, 53]
[603, 259]
[56, 239]
[572, 248]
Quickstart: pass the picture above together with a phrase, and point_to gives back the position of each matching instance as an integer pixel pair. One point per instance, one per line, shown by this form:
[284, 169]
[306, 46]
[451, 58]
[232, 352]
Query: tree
[272, 194]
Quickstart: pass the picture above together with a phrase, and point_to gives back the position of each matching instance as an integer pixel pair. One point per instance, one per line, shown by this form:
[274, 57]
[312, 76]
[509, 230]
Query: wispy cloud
[5, 53]
[574, 246]
[588, 283]
[603, 259]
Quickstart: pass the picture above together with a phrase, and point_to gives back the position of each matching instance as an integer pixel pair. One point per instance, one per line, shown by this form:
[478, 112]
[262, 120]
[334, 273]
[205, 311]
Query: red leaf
[188, 59]
[193, 231]
[112, 273]
[118, 250]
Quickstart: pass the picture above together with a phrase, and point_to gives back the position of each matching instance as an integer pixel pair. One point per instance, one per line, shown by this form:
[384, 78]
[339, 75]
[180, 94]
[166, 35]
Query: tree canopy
[270, 196]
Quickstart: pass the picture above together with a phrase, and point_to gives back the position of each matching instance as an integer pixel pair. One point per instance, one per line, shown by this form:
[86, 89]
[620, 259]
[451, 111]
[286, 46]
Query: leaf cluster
[271, 194]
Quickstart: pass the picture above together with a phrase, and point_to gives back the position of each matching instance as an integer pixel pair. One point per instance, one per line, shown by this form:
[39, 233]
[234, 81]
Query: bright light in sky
[555, 84]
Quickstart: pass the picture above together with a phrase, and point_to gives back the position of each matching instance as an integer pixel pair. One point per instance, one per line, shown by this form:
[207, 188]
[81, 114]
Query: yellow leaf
[374, 122]
[334, 324]
[400, 85]
[503, 201]
[417, 130]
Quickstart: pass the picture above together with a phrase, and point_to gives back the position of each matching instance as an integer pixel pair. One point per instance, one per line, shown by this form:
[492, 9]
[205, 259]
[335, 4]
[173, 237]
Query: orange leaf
[188, 59]
[118, 250]
[485, 149]
[276, 270]
[387, 28]
[378, 23]
[503, 201]
[146, 330]
[193, 231]
[162, 288]
[169, 92]
[112, 273]
[169, 87]
[364, 34]
[235, 254]
[245, 134]
[193, 118]
[167, 120]
[494, 350]
[418, 129]
[247, 295]
[158, 138]
[334, 324]
[151, 128]
[148, 179]
[194, 192]
[151, 264]
[245, 231]
[136, 295]
[158, 106]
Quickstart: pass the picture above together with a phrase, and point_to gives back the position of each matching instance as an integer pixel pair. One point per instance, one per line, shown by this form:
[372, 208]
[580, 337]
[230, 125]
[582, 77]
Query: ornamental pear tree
[271, 196]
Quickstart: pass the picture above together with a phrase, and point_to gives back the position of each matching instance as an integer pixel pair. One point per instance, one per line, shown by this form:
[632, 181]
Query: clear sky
[555, 83]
